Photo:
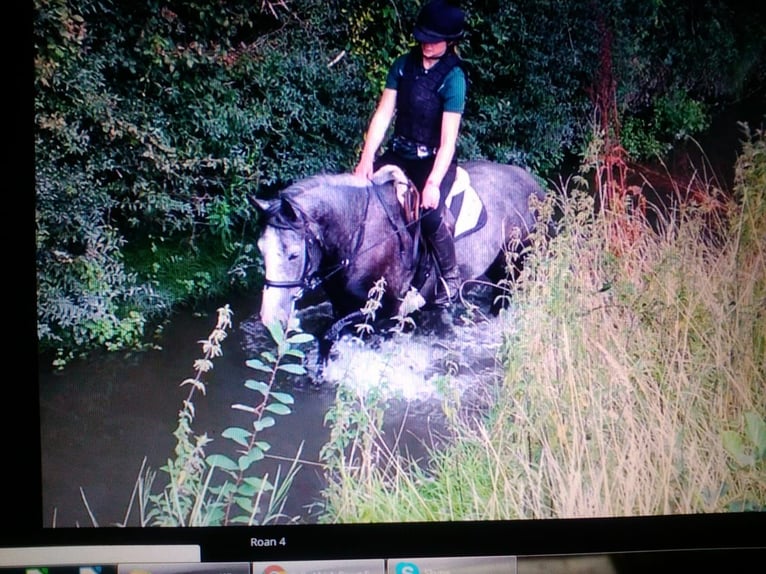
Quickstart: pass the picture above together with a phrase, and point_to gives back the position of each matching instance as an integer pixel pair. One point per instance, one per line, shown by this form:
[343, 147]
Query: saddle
[465, 214]
[468, 212]
[466, 206]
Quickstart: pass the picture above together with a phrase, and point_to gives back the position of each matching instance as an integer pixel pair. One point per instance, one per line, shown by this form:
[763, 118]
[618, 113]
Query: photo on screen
[396, 262]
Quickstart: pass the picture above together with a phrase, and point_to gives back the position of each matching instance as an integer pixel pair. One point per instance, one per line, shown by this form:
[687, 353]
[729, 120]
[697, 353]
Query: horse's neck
[341, 219]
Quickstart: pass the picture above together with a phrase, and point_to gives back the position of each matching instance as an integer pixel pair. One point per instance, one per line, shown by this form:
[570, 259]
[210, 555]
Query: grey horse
[345, 233]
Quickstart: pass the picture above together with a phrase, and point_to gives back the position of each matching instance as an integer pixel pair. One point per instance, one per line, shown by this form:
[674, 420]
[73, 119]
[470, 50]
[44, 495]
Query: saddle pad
[466, 206]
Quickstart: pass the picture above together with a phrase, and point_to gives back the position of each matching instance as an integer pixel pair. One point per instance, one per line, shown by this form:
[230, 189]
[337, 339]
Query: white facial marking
[283, 253]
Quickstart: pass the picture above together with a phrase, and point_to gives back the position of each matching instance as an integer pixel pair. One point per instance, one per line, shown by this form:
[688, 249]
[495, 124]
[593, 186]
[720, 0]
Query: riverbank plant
[195, 493]
[633, 375]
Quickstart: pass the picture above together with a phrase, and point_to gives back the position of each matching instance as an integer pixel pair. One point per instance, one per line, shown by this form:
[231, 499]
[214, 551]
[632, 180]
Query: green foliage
[674, 118]
[184, 500]
[529, 65]
[242, 494]
[356, 422]
[155, 122]
[632, 380]
[747, 448]
[378, 32]
[192, 496]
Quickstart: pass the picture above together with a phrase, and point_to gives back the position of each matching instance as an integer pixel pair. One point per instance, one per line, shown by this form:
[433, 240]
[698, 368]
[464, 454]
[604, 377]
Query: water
[104, 418]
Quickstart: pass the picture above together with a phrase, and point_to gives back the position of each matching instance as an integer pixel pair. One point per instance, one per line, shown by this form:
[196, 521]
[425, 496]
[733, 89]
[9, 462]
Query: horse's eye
[292, 257]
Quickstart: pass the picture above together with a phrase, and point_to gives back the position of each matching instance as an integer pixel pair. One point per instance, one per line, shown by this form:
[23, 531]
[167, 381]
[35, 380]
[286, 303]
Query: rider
[425, 90]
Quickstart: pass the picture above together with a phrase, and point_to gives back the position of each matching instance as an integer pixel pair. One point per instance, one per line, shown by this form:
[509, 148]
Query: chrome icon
[274, 569]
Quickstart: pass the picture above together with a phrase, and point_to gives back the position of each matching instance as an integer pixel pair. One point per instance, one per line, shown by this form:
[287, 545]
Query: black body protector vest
[418, 106]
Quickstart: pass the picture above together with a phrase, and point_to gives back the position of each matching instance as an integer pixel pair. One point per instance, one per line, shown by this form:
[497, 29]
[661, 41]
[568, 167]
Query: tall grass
[633, 377]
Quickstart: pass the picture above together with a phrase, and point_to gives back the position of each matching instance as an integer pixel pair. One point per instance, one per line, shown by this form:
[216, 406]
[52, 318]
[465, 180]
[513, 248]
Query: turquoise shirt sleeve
[395, 72]
[453, 91]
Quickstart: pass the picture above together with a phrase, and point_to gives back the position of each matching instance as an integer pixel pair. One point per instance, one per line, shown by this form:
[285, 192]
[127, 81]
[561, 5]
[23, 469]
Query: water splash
[419, 365]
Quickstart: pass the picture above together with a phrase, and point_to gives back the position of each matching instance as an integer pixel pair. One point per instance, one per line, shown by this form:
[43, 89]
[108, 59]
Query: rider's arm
[454, 94]
[376, 132]
[450, 129]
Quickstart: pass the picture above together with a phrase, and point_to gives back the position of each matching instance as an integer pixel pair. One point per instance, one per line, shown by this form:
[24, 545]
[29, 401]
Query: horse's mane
[324, 181]
[323, 192]
[315, 194]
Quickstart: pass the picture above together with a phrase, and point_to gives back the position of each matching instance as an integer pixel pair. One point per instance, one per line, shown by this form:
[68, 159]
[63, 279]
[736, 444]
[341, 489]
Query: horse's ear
[272, 207]
[389, 173]
[287, 209]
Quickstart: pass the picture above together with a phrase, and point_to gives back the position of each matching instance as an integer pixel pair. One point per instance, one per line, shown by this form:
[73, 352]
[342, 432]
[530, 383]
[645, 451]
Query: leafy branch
[244, 491]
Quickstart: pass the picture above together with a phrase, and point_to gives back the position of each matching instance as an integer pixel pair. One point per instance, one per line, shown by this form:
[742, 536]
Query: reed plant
[633, 375]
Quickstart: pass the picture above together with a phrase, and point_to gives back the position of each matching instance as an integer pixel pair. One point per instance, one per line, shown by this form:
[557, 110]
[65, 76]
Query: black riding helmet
[439, 20]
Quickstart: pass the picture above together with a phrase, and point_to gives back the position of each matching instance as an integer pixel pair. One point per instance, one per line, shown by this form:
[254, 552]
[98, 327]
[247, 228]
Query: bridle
[309, 277]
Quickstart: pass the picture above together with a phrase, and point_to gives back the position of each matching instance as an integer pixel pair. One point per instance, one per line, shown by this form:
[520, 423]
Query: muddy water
[104, 418]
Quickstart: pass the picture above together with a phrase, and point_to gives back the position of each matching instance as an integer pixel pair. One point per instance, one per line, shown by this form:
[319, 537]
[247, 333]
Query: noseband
[307, 279]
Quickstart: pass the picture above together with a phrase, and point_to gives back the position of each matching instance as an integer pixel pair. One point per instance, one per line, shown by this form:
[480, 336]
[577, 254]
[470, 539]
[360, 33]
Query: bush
[154, 125]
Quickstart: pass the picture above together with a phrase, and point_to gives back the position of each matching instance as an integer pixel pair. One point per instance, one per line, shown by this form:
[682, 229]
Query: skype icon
[407, 568]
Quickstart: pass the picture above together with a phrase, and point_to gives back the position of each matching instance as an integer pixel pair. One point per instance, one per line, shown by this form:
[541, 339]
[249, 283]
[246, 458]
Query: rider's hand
[364, 169]
[430, 196]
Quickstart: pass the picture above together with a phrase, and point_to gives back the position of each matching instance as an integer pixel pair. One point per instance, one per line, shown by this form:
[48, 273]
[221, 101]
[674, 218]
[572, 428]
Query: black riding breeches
[418, 171]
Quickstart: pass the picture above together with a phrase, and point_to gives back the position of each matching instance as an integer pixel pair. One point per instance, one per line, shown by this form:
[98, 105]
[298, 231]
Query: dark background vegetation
[154, 121]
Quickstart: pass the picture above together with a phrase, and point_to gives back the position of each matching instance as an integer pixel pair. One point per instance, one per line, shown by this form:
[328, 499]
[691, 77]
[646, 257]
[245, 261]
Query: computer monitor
[547, 436]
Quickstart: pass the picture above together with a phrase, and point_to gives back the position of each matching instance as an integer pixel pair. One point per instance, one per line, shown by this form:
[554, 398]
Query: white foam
[415, 366]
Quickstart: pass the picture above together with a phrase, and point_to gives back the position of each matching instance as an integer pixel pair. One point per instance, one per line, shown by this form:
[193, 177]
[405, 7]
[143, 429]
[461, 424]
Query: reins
[412, 210]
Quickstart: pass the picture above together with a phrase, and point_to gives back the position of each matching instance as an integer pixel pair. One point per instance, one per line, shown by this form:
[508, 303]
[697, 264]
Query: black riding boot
[444, 251]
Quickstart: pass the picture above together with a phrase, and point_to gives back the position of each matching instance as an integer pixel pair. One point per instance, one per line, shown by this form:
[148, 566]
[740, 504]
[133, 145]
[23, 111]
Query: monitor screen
[394, 286]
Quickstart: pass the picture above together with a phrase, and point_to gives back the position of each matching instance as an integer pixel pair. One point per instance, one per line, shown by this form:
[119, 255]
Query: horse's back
[500, 182]
[506, 191]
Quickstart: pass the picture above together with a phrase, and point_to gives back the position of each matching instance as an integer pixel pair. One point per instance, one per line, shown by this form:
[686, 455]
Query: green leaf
[299, 338]
[259, 386]
[732, 442]
[259, 484]
[278, 409]
[246, 460]
[245, 504]
[297, 353]
[277, 332]
[240, 519]
[246, 490]
[283, 398]
[269, 357]
[221, 461]
[293, 369]
[756, 432]
[263, 445]
[238, 435]
[258, 365]
[264, 423]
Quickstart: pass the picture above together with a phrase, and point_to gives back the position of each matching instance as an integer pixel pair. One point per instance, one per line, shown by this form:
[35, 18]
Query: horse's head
[285, 244]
